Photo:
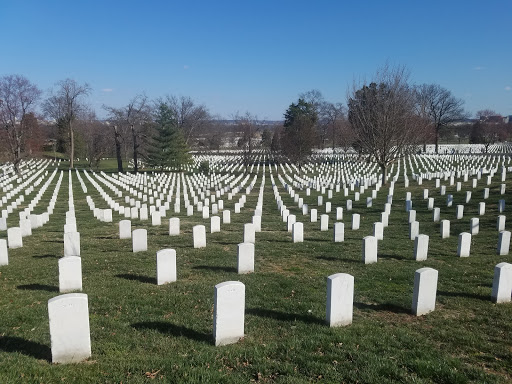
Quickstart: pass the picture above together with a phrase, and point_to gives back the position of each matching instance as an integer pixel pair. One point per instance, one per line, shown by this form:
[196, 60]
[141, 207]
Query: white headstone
[72, 244]
[140, 240]
[378, 230]
[339, 232]
[298, 232]
[425, 290]
[249, 233]
[69, 328]
[503, 243]
[502, 283]
[464, 245]
[229, 312]
[199, 235]
[226, 216]
[445, 229]
[165, 266]
[414, 230]
[4, 254]
[245, 256]
[214, 224]
[14, 238]
[314, 215]
[355, 221]
[369, 249]
[324, 222]
[174, 226]
[70, 274]
[474, 225]
[421, 247]
[340, 299]
[500, 225]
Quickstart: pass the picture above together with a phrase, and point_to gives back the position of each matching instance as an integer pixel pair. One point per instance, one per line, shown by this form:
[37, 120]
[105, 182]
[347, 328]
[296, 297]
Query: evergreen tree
[169, 147]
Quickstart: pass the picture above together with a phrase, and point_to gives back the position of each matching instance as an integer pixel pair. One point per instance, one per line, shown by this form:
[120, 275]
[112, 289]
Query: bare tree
[440, 106]
[382, 116]
[333, 115]
[190, 117]
[134, 118]
[18, 97]
[64, 106]
[247, 126]
[94, 134]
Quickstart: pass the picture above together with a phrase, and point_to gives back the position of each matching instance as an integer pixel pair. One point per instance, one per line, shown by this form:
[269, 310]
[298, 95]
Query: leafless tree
[333, 115]
[440, 106]
[64, 106]
[18, 97]
[191, 117]
[134, 118]
[247, 126]
[97, 142]
[382, 116]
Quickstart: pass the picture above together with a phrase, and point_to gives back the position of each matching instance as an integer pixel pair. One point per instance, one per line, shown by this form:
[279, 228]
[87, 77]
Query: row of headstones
[69, 313]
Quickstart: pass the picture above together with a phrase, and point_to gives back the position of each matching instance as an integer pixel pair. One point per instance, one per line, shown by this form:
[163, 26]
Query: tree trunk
[437, 140]
[384, 170]
[71, 146]
[135, 149]
[118, 150]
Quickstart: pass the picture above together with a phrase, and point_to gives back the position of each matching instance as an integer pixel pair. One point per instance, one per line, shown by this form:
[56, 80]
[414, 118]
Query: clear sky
[257, 56]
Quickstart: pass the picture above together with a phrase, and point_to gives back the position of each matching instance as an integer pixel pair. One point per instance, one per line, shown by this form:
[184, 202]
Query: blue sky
[257, 56]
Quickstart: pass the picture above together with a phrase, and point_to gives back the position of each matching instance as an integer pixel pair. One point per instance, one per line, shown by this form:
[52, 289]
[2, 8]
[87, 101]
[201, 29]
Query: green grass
[142, 332]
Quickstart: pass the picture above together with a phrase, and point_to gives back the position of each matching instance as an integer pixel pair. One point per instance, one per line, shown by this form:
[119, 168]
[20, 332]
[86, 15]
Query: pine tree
[169, 147]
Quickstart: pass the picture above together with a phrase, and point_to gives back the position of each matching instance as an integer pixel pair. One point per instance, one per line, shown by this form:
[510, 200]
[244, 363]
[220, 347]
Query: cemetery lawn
[141, 332]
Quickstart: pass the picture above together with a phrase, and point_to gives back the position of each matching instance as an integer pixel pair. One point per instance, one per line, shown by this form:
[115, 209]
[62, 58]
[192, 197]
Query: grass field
[141, 332]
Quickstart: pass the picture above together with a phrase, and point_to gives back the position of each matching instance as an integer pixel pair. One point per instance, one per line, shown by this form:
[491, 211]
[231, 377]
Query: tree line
[382, 118]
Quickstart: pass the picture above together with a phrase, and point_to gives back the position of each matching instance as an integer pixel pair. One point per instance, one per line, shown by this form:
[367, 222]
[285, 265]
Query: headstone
[229, 312]
[468, 196]
[503, 243]
[355, 221]
[445, 229]
[249, 233]
[72, 244]
[378, 230]
[298, 232]
[140, 240]
[474, 225]
[414, 230]
[226, 216]
[214, 224]
[460, 212]
[165, 266]
[412, 215]
[502, 283]
[245, 258]
[340, 299]
[481, 208]
[339, 232]
[314, 215]
[174, 226]
[421, 247]
[339, 213]
[324, 222]
[436, 214]
[69, 328]
[4, 254]
[464, 245]
[199, 235]
[156, 219]
[384, 219]
[70, 274]
[14, 238]
[500, 225]
[425, 290]
[370, 249]
[290, 221]
[256, 220]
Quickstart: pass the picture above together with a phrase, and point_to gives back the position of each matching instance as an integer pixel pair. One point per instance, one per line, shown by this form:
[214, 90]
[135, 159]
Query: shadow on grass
[174, 330]
[283, 316]
[382, 307]
[133, 277]
[465, 295]
[45, 256]
[331, 258]
[216, 268]
[394, 257]
[38, 287]
[26, 347]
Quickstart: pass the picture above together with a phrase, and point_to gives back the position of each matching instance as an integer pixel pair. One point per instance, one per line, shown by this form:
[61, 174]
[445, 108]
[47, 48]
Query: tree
[189, 116]
[97, 143]
[64, 105]
[18, 97]
[439, 106]
[298, 134]
[266, 139]
[333, 117]
[169, 148]
[132, 120]
[247, 126]
[382, 116]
